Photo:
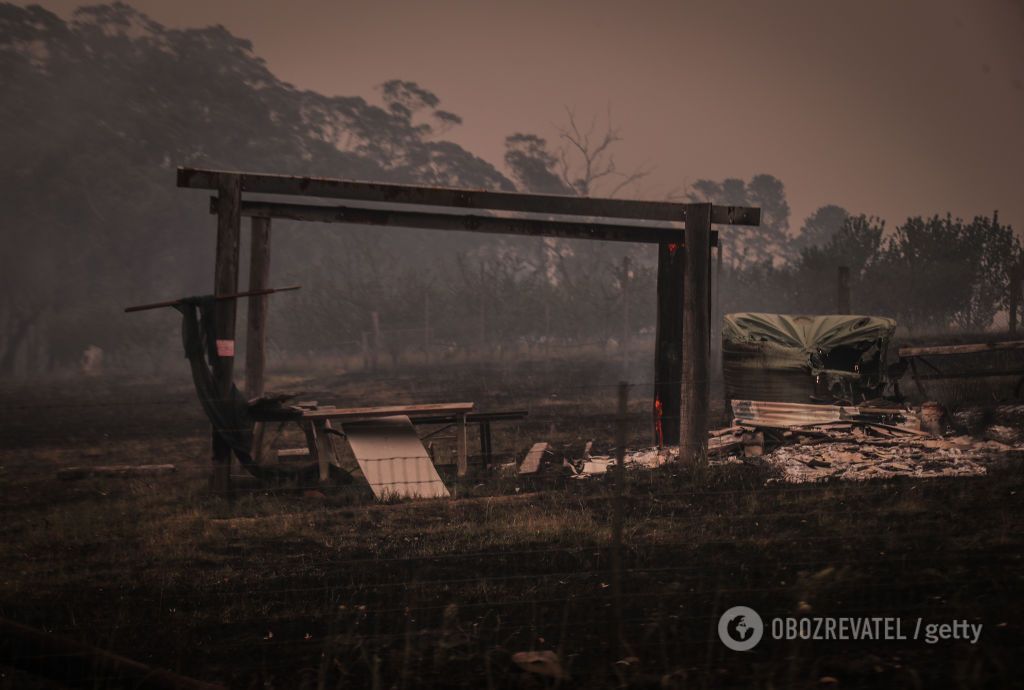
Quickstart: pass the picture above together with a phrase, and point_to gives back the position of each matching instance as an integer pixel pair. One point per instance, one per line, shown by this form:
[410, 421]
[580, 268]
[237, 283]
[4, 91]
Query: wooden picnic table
[316, 422]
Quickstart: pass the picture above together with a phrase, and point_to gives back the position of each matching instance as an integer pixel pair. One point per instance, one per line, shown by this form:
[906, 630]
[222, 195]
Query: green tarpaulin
[787, 358]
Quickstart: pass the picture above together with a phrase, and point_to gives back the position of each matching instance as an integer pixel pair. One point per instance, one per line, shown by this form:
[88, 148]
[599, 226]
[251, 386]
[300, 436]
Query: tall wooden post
[1016, 278]
[375, 344]
[256, 323]
[229, 218]
[482, 325]
[426, 326]
[668, 343]
[625, 315]
[843, 290]
[693, 433]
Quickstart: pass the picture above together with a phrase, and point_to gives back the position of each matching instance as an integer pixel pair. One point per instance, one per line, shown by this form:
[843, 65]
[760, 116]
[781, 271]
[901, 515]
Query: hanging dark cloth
[229, 415]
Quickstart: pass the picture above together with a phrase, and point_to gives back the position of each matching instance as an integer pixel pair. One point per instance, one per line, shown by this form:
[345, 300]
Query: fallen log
[123, 471]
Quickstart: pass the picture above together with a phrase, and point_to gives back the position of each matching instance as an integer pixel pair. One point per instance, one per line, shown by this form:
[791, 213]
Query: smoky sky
[883, 107]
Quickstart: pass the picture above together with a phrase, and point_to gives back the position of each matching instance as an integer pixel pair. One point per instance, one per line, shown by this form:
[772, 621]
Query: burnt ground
[282, 589]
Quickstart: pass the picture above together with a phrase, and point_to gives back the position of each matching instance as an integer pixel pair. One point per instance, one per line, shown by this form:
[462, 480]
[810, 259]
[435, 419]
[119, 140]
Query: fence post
[1016, 277]
[843, 290]
[426, 326]
[625, 315]
[617, 517]
[375, 344]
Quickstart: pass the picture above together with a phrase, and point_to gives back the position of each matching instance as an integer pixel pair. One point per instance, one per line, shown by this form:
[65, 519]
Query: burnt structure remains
[682, 232]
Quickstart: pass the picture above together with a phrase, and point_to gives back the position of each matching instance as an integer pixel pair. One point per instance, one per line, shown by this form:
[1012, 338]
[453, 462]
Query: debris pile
[808, 443]
[812, 443]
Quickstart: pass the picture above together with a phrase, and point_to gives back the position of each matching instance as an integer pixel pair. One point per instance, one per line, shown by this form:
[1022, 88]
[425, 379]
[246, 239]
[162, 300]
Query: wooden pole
[426, 326]
[1016, 277]
[483, 313]
[375, 345]
[693, 433]
[843, 290]
[229, 191]
[668, 343]
[625, 315]
[256, 323]
[618, 515]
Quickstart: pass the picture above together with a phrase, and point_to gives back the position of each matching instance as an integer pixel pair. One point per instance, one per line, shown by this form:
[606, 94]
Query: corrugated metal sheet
[783, 414]
[393, 458]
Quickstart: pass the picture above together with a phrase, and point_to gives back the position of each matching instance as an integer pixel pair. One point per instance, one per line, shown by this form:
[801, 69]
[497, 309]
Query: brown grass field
[282, 589]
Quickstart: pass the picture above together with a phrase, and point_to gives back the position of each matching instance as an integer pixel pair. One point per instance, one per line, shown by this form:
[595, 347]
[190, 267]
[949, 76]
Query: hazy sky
[883, 106]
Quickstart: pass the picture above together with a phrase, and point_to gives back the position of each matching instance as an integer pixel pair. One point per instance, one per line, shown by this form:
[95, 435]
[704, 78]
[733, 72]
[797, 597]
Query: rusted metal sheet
[392, 458]
[194, 178]
[499, 225]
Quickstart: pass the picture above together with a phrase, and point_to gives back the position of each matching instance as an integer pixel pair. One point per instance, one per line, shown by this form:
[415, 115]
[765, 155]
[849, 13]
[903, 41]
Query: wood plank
[531, 463]
[966, 349]
[977, 374]
[393, 459]
[195, 178]
[693, 434]
[499, 225]
[668, 344]
[386, 411]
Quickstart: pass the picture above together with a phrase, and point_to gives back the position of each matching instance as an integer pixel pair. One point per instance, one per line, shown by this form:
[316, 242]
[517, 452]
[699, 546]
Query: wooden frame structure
[682, 232]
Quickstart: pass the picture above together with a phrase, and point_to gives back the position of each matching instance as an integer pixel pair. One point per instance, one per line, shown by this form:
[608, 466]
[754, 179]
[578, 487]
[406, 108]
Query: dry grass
[281, 590]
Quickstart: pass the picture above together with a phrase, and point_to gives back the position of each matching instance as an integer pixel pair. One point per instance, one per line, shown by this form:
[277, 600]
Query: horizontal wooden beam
[978, 374]
[622, 232]
[194, 178]
[966, 349]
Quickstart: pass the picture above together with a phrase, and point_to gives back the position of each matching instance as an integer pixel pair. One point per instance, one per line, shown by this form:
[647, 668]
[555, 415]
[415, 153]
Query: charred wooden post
[624, 284]
[668, 343]
[693, 434]
[1016, 278]
[256, 323]
[375, 343]
[229, 218]
[843, 290]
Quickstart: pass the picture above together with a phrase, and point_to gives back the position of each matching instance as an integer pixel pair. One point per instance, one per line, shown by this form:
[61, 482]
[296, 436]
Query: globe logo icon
[740, 628]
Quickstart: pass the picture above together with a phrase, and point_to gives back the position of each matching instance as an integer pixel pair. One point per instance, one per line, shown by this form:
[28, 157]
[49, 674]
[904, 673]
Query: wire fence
[622, 577]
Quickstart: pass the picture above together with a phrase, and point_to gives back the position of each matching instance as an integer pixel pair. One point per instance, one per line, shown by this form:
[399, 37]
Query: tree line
[101, 108]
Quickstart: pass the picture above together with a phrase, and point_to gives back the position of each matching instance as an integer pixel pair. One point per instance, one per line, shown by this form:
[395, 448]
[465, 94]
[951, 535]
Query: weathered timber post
[668, 343]
[482, 325]
[625, 314]
[426, 326]
[1016, 278]
[843, 290]
[693, 434]
[375, 345]
[256, 323]
[618, 509]
[229, 218]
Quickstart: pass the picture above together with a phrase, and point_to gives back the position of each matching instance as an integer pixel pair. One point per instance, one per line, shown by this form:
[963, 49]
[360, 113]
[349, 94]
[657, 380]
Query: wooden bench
[316, 422]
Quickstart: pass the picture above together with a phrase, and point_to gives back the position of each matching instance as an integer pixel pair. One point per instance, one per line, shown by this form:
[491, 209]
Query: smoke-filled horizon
[891, 109]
